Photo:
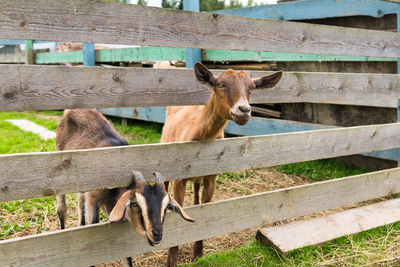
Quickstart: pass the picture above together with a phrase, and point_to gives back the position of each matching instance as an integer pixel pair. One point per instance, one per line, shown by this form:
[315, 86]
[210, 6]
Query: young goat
[228, 101]
[144, 205]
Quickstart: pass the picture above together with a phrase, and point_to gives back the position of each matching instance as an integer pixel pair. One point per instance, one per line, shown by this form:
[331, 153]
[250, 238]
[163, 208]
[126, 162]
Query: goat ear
[268, 81]
[118, 212]
[175, 207]
[203, 75]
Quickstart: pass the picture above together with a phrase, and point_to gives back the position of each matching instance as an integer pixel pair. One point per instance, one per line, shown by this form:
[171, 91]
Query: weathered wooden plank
[83, 170]
[115, 23]
[12, 58]
[59, 87]
[86, 245]
[316, 231]
[301, 10]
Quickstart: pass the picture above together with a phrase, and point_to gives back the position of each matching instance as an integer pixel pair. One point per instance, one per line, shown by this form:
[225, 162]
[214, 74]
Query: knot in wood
[22, 24]
[66, 164]
[116, 78]
[4, 188]
[48, 192]
[8, 95]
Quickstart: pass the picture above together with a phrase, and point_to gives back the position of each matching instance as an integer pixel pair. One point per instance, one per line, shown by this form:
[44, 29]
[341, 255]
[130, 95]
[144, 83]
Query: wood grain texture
[106, 242]
[116, 23]
[51, 173]
[59, 87]
[316, 231]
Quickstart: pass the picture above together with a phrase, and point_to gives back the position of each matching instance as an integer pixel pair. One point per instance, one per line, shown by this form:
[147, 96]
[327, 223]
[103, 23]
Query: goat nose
[244, 108]
[157, 235]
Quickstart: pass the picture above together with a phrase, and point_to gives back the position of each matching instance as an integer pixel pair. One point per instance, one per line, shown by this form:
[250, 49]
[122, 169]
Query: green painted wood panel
[171, 53]
[59, 57]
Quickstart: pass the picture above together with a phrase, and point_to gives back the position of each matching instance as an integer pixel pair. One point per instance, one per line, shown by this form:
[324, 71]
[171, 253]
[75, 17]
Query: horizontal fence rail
[116, 23]
[59, 87]
[50, 173]
[85, 246]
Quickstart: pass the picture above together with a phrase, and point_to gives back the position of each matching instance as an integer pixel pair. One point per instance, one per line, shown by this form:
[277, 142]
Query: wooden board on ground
[316, 231]
[85, 246]
[115, 23]
[59, 87]
[89, 169]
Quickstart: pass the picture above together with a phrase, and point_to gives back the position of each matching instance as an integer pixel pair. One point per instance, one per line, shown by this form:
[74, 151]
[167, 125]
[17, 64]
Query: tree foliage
[175, 4]
[142, 2]
[207, 5]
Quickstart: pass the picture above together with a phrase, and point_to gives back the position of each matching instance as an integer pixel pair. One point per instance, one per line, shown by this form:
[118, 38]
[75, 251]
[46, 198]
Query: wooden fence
[44, 87]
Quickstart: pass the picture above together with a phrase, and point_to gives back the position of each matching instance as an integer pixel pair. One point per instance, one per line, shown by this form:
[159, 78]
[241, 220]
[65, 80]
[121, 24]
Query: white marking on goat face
[164, 205]
[141, 201]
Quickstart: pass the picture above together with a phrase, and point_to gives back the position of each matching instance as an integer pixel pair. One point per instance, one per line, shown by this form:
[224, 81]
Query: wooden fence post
[89, 55]
[398, 31]
[29, 57]
[192, 55]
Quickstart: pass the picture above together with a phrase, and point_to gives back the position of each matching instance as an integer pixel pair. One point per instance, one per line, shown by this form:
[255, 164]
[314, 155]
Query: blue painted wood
[315, 9]
[16, 42]
[192, 55]
[398, 31]
[397, 151]
[154, 114]
[89, 55]
[11, 42]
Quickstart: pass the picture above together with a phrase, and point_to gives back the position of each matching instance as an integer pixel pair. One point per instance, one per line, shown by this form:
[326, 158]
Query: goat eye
[133, 204]
[220, 85]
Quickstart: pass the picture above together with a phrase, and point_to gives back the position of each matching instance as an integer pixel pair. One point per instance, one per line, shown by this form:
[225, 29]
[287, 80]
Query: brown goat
[144, 205]
[228, 101]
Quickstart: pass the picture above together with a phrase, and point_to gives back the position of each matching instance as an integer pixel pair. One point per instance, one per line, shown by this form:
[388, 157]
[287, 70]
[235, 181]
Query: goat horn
[159, 178]
[138, 176]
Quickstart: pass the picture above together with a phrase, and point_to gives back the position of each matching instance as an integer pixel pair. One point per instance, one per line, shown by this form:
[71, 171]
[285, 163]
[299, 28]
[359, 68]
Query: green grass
[14, 140]
[379, 245]
[140, 132]
[320, 170]
[33, 215]
[28, 214]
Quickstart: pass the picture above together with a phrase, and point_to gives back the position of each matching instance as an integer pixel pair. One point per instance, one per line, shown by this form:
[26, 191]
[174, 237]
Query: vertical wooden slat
[89, 55]
[192, 55]
[398, 31]
[29, 58]
[398, 119]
